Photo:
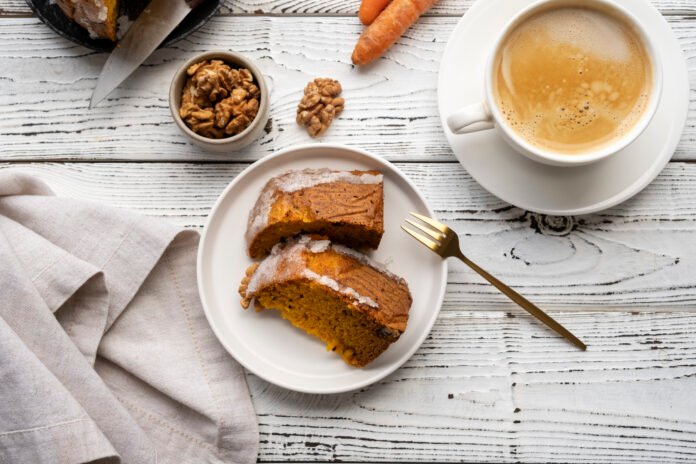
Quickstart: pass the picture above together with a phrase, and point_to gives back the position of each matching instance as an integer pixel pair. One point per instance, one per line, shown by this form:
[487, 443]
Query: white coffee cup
[487, 115]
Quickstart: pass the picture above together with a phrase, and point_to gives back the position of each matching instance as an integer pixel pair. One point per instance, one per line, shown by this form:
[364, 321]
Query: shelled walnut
[320, 105]
[217, 100]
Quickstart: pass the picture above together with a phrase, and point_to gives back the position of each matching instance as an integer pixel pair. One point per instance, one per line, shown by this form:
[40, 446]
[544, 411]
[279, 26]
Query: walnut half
[219, 101]
[320, 105]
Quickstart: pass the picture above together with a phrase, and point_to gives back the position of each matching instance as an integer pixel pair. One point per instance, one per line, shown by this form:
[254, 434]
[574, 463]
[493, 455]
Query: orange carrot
[370, 9]
[387, 28]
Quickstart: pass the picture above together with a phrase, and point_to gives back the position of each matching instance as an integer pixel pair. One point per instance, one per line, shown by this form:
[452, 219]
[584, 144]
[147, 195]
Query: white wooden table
[489, 384]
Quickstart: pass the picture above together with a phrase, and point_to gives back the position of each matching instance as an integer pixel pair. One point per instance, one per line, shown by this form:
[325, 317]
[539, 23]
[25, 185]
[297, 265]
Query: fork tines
[434, 237]
[444, 241]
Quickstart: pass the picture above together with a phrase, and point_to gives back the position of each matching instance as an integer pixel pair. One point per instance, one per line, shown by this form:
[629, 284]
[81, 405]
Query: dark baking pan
[54, 18]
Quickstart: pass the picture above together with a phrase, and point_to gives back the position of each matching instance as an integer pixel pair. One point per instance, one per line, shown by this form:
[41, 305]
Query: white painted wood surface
[489, 384]
[340, 7]
[392, 106]
[639, 256]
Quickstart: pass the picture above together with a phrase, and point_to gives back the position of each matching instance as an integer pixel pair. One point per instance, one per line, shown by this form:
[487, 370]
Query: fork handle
[527, 305]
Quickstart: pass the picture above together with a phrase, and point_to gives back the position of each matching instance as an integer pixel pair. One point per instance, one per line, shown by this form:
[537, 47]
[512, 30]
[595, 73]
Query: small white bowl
[235, 142]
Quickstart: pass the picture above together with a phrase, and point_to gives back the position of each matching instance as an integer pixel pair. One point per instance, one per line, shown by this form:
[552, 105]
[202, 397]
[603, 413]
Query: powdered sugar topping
[269, 269]
[292, 181]
[366, 260]
[286, 260]
[319, 246]
[91, 15]
[335, 286]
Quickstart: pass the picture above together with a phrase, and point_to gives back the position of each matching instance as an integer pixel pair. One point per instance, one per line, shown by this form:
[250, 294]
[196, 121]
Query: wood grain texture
[485, 387]
[391, 107]
[339, 7]
[489, 384]
[492, 385]
[639, 256]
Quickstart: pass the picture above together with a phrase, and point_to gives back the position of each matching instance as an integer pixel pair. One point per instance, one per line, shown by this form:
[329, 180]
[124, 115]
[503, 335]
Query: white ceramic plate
[267, 345]
[547, 189]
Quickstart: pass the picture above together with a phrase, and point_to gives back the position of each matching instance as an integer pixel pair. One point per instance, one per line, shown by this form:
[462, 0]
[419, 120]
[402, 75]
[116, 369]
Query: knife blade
[153, 25]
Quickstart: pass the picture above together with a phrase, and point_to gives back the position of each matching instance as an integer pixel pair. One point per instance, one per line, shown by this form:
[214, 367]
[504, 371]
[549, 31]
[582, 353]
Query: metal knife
[153, 25]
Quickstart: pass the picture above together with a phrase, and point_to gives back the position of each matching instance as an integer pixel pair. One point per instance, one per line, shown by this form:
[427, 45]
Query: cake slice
[99, 17]
[346, 206]
[336, 294]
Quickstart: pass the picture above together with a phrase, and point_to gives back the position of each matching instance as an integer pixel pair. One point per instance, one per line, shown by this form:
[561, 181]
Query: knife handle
[194, 3]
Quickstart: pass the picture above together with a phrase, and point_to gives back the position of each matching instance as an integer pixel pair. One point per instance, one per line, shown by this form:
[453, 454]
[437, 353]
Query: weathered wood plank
[493, 385]
[485, 387]
[47, 83]
[639, 256]
[340, 7]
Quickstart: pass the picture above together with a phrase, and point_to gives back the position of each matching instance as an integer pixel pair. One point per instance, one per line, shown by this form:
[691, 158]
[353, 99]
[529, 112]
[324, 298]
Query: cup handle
[472, 118]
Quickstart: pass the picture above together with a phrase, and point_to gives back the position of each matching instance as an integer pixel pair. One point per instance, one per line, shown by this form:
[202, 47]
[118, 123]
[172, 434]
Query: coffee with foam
[571, 80]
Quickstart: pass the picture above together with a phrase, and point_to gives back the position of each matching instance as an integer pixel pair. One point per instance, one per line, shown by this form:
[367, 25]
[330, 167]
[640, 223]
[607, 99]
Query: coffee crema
[571, 79]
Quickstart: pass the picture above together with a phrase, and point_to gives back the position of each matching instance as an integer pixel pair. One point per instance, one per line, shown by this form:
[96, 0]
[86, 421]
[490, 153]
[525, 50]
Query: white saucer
[547, 189]
[267, 345]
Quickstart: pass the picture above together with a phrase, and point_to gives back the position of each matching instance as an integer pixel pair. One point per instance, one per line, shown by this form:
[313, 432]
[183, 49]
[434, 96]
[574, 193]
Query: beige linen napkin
[105, 353]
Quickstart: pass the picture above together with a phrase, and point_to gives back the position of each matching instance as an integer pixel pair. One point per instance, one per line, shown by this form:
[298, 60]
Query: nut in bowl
[220, 101]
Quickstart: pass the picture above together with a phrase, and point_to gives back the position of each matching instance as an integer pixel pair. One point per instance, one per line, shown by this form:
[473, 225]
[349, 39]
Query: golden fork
[445, 242]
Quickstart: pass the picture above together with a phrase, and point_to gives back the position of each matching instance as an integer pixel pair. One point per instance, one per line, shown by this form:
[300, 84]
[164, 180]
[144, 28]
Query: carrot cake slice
[334, 293]
[345, 206]
[99, 17]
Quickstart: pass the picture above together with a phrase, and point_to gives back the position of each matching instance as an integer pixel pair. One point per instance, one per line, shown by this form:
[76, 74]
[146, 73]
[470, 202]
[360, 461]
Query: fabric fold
[103, 304]
[27, 436]
[63, 282]
[25, 312]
